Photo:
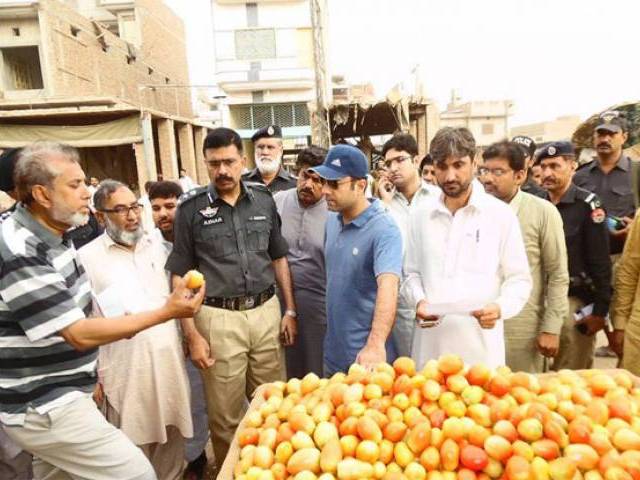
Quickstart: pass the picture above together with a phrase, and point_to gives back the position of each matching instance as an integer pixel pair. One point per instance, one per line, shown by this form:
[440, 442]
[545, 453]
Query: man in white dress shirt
[465, 251]
[403, 190]
[145, 384]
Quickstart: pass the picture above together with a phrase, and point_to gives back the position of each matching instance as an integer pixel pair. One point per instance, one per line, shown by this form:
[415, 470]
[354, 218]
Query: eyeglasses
[227, 162]
[123, 210]
[403, 158]
[314, 177]
[496, 172]
[334, 184]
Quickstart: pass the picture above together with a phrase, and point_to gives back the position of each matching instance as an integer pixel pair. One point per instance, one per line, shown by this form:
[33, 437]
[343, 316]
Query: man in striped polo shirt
[47, 342]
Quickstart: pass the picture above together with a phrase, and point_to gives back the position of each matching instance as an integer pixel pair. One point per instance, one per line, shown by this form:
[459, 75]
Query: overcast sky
[552, 57]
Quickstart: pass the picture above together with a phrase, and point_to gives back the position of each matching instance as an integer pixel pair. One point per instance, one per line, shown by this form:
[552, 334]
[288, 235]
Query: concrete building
[562, 128]
[265, 66]
[487, 120]
[107, 76]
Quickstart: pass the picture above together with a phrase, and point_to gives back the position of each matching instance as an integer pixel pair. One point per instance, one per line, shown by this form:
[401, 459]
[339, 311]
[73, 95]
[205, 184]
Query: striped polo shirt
[43, 289]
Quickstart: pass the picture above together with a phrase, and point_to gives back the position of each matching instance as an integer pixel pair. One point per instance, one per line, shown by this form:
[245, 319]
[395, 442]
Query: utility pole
[319, 125]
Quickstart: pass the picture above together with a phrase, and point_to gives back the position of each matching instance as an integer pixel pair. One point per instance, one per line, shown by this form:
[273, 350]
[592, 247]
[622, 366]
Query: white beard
[75, 219]
[266, 166]
[123, 237]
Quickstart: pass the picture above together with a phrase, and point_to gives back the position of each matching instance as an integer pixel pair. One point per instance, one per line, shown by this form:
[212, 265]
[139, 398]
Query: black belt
[245, 302]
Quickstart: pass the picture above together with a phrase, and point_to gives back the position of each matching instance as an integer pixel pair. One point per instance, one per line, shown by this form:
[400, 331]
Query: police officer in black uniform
[612, 175]
[528, 146]
[587, 242]
[230, 231]
[267, 144]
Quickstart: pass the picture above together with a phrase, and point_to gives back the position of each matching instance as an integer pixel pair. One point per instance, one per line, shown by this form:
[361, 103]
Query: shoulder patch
[191, 194]
[598, 215]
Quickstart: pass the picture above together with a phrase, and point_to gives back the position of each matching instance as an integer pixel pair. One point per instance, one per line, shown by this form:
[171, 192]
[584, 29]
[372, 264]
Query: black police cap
[8, 161]
[272, 131]
[612, 121]
[527, 144]
[556, 149]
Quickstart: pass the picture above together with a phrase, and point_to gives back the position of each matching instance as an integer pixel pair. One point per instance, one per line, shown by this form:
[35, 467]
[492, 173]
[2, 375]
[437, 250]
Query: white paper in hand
[462, 307]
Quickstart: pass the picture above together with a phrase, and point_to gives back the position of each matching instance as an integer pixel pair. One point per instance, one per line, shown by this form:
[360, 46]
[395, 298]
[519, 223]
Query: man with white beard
[144, 380]
[267, 145]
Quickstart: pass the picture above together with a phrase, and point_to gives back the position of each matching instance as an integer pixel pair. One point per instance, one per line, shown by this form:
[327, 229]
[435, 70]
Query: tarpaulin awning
[123, 131]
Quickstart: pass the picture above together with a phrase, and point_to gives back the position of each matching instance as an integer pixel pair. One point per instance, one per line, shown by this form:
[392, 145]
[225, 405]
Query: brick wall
[83, 61]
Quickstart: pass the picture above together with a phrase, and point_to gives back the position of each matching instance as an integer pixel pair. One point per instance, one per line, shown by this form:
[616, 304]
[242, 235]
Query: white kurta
[144, 377]
[475, 255]
[399, 208]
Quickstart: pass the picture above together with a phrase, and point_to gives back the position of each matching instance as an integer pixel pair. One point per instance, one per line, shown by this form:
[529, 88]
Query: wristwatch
[291, 313]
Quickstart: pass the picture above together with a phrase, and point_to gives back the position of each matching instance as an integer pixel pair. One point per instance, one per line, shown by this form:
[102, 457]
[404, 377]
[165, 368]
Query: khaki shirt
[543, 236]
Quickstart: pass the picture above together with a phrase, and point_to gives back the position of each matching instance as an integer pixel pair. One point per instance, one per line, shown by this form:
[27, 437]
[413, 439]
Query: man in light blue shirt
[363, 255]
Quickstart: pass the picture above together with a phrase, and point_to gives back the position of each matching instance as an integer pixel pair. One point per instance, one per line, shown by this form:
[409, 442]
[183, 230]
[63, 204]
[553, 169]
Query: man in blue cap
[363, 254]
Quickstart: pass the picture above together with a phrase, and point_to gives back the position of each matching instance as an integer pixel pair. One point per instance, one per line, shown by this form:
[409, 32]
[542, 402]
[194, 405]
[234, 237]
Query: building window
[252, 117]
[255, 44]
[487, 128]
[21, 68]
[16, 31]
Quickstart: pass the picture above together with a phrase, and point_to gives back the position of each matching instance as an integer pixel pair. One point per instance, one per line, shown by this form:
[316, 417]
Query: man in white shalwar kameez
[464, 250]
[143, 379]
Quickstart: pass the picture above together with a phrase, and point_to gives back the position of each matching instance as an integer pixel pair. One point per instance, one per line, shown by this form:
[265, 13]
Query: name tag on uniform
[258, 217]
[213, 221]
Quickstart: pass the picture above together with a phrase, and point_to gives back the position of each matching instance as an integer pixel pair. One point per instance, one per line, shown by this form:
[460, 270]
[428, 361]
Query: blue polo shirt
[355, 254]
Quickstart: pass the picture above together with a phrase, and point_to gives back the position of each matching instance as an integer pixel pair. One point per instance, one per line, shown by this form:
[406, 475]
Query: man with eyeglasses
[615, 178]
[402, 191]
[534, 334]
[230, 230]
[268, 150]
[587, 240]
[304, 214]
[363, 255]
[143, 377]
[465, 263]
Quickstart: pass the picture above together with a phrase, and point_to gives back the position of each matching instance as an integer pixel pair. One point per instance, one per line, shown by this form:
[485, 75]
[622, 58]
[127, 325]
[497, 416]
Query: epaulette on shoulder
[585, 165]
[191, 194]
[261, 187]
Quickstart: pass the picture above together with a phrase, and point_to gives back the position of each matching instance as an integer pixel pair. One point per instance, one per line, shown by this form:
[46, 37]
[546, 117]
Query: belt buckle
[249, 302]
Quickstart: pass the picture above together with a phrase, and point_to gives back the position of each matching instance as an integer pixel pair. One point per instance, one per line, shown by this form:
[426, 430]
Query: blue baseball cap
[343, 161]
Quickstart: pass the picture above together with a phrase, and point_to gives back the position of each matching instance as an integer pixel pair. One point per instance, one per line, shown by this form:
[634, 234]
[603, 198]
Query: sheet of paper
[463, 307]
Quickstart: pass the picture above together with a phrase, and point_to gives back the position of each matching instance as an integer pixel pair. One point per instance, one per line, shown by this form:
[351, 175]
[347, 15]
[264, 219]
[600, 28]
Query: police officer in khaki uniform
[267, 144]
[587, 242]
[230, 231]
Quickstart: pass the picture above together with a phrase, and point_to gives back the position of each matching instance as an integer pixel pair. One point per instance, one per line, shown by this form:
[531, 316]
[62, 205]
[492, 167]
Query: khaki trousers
[576, 349]
[247, 352]
[75, 442]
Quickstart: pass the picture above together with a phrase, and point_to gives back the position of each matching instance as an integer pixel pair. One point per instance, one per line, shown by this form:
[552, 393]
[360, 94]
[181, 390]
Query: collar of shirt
[212, 193]
[570, 195]
[477, 200]
[109, 243]
[516, 201]
[371, 211]
[424, 189]
[24, 217]
[623, 163]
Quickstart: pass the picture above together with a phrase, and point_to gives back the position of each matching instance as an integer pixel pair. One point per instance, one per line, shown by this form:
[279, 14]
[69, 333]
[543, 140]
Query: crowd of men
[457, 252]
